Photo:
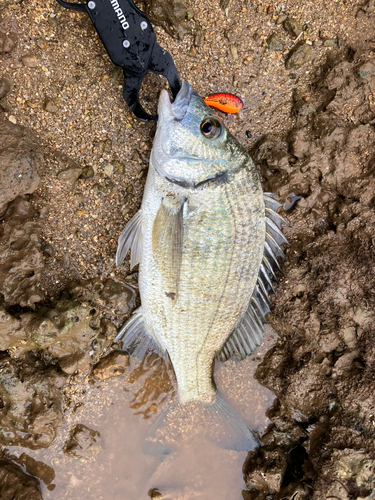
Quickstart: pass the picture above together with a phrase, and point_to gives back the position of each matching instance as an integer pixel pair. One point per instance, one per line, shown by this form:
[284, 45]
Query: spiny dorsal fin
[167, 242]
[131, 239]
[248, 334]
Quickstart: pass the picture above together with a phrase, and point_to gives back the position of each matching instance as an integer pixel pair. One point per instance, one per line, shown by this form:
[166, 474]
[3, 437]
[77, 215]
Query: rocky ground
[73, 163]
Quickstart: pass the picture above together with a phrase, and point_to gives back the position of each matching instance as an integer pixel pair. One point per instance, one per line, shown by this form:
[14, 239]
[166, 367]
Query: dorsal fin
[248, 333]
[131, 239]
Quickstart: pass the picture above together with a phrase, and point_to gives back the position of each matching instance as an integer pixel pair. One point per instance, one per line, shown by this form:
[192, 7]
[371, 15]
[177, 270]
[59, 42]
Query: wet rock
[171, 15]
[349, 470]
[30, 61]
[16, 485]
[4, 87]
[113, 365]
[346, 365]
[36, 468]
[83, 442]
[292, 27]
[74, 330]
[8, 42]
[308, 392]
[275, 43]
[299, 55]
[30, 409]
[87, 173]
[70, 171]
[51, 106]
[330, 43]
[21, 158]
[266, 472]
[21, 257]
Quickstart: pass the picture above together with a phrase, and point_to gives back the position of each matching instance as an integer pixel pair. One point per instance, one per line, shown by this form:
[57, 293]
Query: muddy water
[123, 409]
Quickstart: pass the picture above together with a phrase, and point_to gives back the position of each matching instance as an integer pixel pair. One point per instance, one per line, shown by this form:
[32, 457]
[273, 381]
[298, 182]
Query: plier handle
[130, 41]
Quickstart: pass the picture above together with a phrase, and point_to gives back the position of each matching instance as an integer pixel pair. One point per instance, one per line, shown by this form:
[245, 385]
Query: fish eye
[211, 128]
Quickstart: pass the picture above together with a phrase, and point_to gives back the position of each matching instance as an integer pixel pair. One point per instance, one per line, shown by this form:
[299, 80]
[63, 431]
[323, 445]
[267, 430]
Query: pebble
[50, 106]
[7, 42]
[233, 51]
[119, 167]
[83, 442]
[4, 87]
[87, 172]
[108, 169]
[52, 21]
[12, 119]
[113, 365]
[298, 56]
[221, 60]
[330, 43]
[274, 43]
[360, 14]
[30, 61]
[292, 27]
[249, 135]
[281, 19]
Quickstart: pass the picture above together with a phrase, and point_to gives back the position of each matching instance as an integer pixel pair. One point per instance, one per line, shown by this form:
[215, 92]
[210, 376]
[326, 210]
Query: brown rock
[21, 257]
[275, 43]
[7, 42]
[292, 27]
[171, 15]
[16, 485]
[83, 442]
[51, 106]
[4, 87]
[299, 55]
[30, 61]
[113, 365]
[21, 158]
[30, 409]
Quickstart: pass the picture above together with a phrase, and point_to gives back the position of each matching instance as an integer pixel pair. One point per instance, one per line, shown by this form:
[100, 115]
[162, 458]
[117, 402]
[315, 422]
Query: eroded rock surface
[321, 368]
[113, 365]
[171, 15]
[21, 158]
[83, 442]
[74, 330]
[30, 403]
[16, 485]
[21, 258]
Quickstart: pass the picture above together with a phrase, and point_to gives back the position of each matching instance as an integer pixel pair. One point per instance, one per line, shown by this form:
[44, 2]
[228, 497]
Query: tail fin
[217, 422]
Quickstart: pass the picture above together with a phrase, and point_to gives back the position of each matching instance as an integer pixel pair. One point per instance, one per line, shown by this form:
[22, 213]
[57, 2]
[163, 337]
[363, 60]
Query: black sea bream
[206, 239]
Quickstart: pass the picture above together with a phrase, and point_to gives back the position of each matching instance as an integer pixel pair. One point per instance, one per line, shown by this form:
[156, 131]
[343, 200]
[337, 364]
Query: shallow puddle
[123, 409]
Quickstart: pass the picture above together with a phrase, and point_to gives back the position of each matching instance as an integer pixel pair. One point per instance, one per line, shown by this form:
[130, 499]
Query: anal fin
[134, 339]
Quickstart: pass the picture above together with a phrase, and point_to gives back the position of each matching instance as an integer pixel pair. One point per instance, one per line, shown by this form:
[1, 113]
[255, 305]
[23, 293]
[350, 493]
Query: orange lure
[228, 103]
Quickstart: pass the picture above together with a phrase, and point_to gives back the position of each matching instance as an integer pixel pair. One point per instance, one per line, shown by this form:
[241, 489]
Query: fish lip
[179, 107]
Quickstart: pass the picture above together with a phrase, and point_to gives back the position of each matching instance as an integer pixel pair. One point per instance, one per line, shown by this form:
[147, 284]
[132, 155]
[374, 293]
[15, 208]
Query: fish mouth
[178, 108]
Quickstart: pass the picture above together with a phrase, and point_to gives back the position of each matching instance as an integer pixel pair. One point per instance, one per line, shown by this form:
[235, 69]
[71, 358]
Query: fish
[207, 241]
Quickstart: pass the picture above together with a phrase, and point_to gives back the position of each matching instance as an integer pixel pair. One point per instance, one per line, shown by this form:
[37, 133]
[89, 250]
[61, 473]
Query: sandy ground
[310, 132]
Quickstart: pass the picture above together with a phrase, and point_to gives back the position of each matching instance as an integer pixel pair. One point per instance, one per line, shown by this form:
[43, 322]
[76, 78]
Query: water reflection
[123, 409]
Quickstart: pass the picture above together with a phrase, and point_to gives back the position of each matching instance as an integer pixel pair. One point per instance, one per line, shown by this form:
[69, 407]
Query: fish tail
[217, 422]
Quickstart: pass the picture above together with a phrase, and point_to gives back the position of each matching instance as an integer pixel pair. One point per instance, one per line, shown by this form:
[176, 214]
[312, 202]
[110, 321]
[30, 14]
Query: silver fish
[207, 241]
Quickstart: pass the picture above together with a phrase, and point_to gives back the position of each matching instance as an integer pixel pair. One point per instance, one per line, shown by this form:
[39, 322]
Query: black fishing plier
[130, 41]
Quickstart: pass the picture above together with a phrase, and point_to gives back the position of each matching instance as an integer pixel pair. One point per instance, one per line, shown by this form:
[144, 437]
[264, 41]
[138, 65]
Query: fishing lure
[228, 103]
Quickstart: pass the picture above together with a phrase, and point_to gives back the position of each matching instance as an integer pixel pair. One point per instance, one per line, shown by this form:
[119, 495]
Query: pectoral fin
[131, 239]
[167, 243]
